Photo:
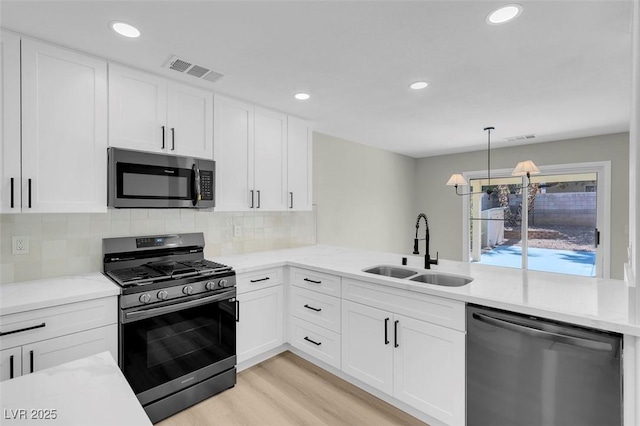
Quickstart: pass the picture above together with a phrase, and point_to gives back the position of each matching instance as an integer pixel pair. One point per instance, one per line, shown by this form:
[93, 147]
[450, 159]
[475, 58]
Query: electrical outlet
[20, 245]
[237, 231]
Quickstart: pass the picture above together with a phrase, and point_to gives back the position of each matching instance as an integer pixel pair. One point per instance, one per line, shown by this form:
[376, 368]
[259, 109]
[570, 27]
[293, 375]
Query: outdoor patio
[542, 259]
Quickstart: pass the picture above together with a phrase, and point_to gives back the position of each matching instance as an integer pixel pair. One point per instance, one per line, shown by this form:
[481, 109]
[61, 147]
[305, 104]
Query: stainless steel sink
[391, 271]
[446, 280]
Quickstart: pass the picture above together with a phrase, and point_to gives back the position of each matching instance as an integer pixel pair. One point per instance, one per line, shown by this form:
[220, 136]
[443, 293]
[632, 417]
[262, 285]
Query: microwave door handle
[196, 185]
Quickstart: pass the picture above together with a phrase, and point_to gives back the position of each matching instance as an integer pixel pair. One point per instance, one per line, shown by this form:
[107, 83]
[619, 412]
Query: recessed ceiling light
[504, 14]
[418, 85]
[302, 96]
[125, 29]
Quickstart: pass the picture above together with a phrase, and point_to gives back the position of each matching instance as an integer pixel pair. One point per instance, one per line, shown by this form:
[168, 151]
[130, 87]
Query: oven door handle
[153, 312]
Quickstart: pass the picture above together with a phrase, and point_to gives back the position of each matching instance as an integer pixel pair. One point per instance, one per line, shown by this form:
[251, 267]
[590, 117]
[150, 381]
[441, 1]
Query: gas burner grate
[207, 265]
[137, 273]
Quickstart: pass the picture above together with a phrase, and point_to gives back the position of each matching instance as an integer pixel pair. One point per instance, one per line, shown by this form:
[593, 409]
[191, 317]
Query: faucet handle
[435, 262]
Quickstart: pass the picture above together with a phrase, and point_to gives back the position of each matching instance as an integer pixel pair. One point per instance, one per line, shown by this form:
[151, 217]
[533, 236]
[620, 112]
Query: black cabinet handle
[312, 308]
[237, 310]
[260, 279]
[23, 329]
[258, 205]
[162, 137]
[31, 361]
[312, 281]
[11, 367]
[173, 138]
[251, 206]
[11, 192]
[29, 193]
[395, 334]
[315, 343]
[291, 195]
[386, 331]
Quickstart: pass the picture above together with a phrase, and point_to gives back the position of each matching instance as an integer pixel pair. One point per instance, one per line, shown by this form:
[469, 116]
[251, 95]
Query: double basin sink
[436, 278]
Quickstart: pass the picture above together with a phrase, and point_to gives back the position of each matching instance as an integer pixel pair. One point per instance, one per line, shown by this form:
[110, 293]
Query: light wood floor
[288, 390]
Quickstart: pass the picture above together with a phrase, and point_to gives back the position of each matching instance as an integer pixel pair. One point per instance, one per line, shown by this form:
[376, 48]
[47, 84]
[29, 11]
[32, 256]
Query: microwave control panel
[206, 184]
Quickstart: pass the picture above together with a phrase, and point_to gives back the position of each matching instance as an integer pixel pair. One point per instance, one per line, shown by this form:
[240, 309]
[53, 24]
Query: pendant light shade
[457, 179]
[525, 168]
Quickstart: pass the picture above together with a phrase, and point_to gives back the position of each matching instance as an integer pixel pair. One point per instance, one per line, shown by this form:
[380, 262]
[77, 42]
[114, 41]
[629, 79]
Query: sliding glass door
[556, 224]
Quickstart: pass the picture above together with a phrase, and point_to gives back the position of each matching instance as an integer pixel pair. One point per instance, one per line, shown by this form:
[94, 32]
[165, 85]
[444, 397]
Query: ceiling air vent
[190, 68]
[520, 138]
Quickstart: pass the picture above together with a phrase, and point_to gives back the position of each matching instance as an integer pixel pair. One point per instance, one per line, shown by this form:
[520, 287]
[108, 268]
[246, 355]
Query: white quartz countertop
[44, 293]
[599, 303]
[88, 391]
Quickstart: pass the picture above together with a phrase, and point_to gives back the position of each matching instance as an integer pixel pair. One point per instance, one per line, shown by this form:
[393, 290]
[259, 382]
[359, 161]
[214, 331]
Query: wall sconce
[523, 168]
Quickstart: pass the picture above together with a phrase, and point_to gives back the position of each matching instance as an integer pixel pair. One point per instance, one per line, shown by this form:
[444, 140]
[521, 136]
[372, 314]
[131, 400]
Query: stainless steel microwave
[144, 180]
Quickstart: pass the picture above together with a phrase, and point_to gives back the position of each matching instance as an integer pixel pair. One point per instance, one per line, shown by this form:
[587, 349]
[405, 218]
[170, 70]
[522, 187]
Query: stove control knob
[222, 283]
[187, 289]
[210, 285]
[145, 298]
[162, 295]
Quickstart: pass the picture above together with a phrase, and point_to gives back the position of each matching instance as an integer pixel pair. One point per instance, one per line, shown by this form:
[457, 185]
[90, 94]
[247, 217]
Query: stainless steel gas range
[178, 313]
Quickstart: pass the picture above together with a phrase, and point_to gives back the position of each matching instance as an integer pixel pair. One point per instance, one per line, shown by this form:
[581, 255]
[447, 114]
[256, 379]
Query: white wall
[444, 208]
[364, 196]
[634, 148]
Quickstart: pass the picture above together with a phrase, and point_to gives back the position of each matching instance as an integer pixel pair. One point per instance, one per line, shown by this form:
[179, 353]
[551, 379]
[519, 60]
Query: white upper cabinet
[150, 113]
[233, 153]
[9, 123]
[190, 121]
[299, 164]
[64, 130]
[137, 110]
[250, 154]
[270, 150]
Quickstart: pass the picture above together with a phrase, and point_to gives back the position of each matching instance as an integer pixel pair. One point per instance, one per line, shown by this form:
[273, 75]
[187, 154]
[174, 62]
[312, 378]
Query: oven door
[164, 349]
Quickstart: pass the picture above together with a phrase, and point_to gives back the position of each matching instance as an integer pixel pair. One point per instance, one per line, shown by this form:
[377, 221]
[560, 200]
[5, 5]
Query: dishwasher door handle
[546, 335]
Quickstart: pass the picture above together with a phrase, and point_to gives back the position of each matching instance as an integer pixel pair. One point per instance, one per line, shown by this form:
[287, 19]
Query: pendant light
[523, 168]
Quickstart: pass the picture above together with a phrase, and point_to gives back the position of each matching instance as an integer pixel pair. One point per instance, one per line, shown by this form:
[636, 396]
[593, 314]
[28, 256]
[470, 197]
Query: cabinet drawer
[41, 355]
[316, 281]
[58, 321]
[258, 279]
[436, 310]
[316, 341]
[316, 308]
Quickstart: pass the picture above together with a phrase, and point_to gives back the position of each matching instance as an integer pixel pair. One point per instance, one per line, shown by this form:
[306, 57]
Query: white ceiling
[561, 70]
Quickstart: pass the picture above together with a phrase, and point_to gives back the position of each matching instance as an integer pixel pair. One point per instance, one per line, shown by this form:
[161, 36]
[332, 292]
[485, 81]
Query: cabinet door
[190, 121]
[47, 353]
[9, 123]
[233, 153]
[64, 130]
[260, 325]
[429, 369]
[367, 345]
[10, 363]
[299, 165]
[270, 160]
[137, 110]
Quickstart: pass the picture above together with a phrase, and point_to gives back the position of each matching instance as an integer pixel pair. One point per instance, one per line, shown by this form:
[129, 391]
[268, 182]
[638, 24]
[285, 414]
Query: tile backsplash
[69, 244]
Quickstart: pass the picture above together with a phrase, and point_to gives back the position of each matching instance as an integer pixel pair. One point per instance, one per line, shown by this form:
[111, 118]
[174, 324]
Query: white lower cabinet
[417, 362]
[367, 348]
[260, 322]
[10, 363]
[42, 338]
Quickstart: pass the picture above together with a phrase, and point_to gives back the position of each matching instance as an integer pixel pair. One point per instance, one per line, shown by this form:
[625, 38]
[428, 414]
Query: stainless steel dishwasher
[527, 371]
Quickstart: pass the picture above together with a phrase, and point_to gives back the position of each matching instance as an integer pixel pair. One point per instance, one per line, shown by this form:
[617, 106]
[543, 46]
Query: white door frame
[603, 222]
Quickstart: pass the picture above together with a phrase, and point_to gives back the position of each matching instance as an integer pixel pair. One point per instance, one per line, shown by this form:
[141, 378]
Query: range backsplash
[70, 244]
